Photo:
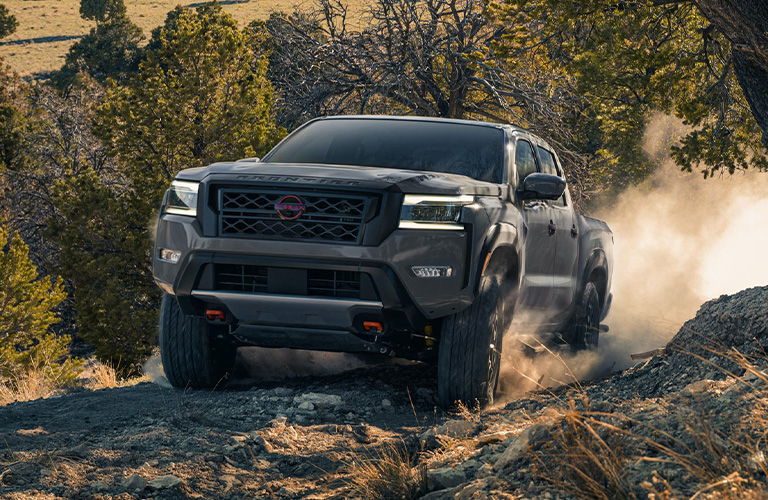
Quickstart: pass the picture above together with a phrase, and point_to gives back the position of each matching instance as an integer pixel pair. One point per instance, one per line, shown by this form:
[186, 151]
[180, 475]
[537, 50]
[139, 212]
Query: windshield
[454, 148]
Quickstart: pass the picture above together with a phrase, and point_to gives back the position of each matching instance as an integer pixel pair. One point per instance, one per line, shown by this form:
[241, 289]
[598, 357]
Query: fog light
[171, 256]
[432, 271]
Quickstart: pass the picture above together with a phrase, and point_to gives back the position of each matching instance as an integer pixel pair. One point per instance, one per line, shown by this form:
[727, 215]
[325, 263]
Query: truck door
[538, 243]
[564, 269]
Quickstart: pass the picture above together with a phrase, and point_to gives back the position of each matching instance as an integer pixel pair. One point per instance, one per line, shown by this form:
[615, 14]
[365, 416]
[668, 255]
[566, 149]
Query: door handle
[574, 231]
[552, 228]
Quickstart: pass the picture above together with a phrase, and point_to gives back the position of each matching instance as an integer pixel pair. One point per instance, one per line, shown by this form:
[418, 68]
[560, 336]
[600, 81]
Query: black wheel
[586, 327]
[469, 355]
[191, 356]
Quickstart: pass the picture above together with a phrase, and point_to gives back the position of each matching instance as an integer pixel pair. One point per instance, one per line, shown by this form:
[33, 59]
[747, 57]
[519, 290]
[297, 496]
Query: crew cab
[422, 238]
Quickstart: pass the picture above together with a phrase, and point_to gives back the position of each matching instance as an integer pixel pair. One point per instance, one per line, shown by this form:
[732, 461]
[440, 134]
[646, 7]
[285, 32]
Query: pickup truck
[420, 238]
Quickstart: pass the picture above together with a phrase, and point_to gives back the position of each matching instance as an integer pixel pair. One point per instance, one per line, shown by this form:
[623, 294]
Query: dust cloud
[680, 240]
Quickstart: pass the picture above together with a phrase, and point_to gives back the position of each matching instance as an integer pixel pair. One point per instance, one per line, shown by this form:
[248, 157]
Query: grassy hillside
[47, 28]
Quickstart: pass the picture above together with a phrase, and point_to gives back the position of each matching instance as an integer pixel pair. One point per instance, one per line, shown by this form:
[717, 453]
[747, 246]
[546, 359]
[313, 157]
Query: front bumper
[405, 302]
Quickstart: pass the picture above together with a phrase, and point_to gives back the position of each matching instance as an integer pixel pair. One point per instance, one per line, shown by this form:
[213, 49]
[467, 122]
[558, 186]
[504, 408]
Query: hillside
[47, 28]
[689, 421]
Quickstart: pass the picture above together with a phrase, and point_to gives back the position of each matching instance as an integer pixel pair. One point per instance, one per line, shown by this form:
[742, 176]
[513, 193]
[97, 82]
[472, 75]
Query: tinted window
[547, 161]
[455, 148]
[549, 165]
[524, 161]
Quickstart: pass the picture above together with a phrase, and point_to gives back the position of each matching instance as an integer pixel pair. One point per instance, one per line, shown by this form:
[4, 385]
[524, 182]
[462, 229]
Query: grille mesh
[319, 282]
[330, 217]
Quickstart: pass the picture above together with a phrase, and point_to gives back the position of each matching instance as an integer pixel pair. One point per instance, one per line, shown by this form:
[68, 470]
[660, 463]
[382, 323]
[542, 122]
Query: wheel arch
[596, 271]
[500, 254]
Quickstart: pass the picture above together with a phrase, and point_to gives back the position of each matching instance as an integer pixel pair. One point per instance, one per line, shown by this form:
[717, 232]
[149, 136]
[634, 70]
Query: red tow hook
[213, 314]
[373, 326]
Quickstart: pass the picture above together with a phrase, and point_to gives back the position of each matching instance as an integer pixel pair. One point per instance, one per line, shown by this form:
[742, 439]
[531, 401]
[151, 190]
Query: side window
[549, 165]
[524, 161]
[547, 161]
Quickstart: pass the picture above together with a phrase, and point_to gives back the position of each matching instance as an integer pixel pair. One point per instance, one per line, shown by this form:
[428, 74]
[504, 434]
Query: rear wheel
[469, 356]
[192, 356]
[585, 331]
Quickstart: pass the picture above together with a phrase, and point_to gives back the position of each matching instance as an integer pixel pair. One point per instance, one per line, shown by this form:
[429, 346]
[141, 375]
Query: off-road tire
[585, 331]
[191, 356]
[469, 355]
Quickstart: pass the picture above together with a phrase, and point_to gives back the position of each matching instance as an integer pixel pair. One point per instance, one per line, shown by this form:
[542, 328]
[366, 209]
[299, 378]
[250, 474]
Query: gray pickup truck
[420, 238]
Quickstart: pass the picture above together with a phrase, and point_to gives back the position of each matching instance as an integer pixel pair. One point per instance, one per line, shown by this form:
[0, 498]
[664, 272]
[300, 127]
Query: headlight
[181, 198]
[433, 211]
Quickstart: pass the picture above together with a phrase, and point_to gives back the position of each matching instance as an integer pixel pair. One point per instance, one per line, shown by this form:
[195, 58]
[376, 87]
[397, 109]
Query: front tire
[469, 356]
[191, 356]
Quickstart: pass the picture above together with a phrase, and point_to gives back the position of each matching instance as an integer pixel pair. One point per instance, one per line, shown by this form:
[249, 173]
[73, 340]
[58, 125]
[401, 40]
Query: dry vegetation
[47, 28]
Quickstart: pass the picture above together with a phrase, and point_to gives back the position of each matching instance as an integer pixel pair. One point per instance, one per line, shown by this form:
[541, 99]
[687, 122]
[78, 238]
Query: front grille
[239, 278]
[342, 284]
[308, 282]
[324, 217]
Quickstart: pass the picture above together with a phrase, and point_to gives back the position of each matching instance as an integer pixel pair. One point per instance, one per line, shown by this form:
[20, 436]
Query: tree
[102, 10]
[200, 95]
[27, 303]
[424, 57]
[745, 24]
[8, 22]
[111, 50]
[630, 60]
[421, 57]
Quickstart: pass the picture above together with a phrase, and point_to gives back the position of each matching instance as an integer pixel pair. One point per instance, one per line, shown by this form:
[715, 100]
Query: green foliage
[110, 50]
[104, 253]
[630, 60]
[26, 313]
[8, 22]
[13, 124]
[102, 10]
[201, 95]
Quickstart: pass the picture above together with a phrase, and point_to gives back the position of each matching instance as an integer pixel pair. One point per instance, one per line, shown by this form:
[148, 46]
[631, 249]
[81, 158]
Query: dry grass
[33, 384]
[47, 28]
[388, 474]
[591, 452]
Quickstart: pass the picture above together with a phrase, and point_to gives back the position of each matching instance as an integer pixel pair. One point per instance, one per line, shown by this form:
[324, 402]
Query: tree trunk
[745, 24]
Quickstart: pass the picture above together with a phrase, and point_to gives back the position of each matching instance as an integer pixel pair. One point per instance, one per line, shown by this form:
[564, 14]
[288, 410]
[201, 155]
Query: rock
[307, 406]
[446, 477]
[457, 428]
[282, 392]
[319, 399]
[164, 482]
[441, 494]
[259, 441]
[134, 483]
[428, 439]
[514, 449]
[385, 403]
[425, 394]
[486, 470]
[229, 481]
[99, 486]
[79, 451]
[496, 437]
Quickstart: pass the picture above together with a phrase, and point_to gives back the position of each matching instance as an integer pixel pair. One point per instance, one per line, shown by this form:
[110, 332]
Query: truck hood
[340, 176]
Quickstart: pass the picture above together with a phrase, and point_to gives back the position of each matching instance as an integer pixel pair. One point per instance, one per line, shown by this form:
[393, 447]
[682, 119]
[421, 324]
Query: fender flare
[500, 236]
[597, 261]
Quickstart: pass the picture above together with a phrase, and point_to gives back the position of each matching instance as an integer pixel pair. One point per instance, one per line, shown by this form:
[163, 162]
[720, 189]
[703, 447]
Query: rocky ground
[689, 422]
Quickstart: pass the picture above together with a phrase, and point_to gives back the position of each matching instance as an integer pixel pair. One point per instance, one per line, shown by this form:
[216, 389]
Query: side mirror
[542, 187]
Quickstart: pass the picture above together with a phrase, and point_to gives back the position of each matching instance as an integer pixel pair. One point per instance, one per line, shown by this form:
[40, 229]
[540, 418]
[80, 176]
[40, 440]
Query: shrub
[29, 357]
